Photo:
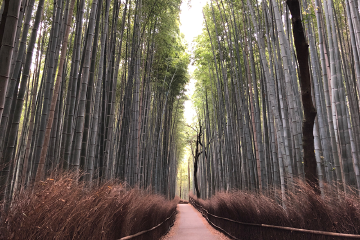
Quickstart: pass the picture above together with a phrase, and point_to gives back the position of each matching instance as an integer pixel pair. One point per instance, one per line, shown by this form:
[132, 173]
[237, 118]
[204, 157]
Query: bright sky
[191, 19]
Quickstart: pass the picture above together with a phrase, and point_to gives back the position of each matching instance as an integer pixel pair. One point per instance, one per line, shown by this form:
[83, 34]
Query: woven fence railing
[145, 234]
[241, 231]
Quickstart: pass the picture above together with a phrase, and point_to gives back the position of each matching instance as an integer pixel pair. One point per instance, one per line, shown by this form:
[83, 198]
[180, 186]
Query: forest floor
[190, 225]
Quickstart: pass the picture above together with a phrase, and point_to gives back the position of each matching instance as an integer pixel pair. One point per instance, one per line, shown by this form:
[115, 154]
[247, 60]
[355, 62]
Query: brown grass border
[335, 212]
[63, 208]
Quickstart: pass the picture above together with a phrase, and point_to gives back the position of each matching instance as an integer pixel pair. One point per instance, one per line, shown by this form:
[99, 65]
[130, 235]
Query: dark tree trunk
[3, 19]
[196, 161]
[302, 51]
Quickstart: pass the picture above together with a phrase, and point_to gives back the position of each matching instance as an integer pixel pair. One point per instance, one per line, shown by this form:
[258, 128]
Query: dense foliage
[248, 95]
[97, 87]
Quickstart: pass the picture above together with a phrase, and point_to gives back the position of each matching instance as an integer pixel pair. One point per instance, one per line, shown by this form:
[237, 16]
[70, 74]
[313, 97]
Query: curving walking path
[190, 225]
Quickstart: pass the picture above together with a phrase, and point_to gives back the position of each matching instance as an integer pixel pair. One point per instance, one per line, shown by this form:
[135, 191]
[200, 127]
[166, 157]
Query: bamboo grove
[248, 96]
[91, 86]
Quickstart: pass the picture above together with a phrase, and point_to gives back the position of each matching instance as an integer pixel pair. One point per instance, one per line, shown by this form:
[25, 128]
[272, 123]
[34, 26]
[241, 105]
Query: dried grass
[182, 201]
[336, 211]
[65, 209]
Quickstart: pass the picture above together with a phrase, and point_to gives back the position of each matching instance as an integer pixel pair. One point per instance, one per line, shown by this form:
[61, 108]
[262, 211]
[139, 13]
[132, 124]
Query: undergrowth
[63, 208]
[335, 211]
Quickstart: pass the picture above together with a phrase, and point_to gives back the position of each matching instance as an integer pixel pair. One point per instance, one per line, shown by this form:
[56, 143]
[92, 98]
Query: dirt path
[190, 225]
